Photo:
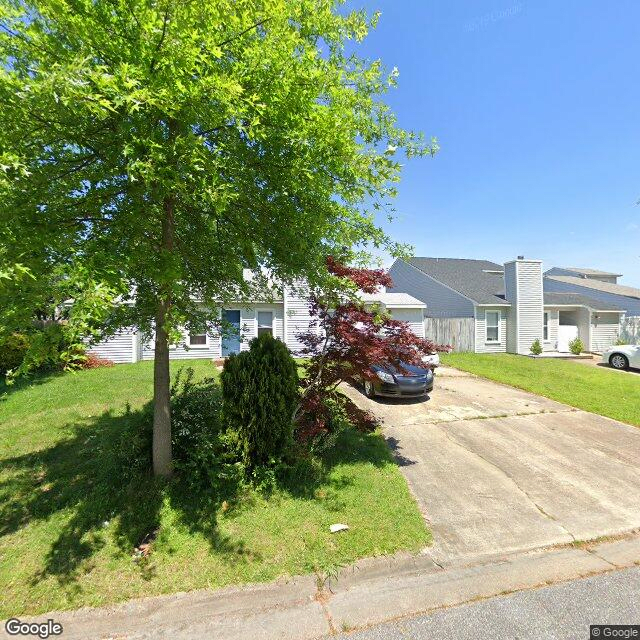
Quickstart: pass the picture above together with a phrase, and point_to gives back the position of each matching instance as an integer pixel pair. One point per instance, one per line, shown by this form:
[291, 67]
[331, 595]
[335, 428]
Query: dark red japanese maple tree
[346, 339]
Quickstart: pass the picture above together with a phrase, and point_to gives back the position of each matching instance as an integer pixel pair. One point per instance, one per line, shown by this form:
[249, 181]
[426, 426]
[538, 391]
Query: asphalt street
[560, 612]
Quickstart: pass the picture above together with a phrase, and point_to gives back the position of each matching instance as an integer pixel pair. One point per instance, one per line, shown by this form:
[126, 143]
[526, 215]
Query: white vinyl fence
[630, 329]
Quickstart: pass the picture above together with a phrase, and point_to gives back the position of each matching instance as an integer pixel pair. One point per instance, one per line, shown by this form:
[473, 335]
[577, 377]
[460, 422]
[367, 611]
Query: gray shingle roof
[479, 280]
[591, 272]
[598, 285]
[577, 299]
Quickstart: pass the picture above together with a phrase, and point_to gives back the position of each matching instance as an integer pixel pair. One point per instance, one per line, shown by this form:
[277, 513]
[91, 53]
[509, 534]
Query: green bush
[204, 452]
[202, 448]
[49, 349]
[12, 351]
[260, 392]
[576, 346]
[536, 347]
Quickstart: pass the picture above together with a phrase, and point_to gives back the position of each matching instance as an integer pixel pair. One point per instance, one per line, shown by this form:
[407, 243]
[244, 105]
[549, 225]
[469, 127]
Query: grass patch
[69, 522]
[607, 393]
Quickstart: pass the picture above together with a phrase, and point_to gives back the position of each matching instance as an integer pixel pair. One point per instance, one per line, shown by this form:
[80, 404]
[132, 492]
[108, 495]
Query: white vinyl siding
[122, 347]
[482, 345]
[213, 349]
[510, 289]
[297, 316]
[523, 280]
[414, 317]
[530, 304]
[441, 301]
[181, 351]
[605, 329]
[249, 322]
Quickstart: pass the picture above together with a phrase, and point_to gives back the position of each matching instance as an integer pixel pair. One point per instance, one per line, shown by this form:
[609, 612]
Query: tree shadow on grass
[80, 481]
[352, 446]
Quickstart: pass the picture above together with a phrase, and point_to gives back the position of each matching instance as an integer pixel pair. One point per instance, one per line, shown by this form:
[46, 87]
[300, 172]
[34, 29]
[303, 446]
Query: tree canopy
[347, 339]
[161, 147]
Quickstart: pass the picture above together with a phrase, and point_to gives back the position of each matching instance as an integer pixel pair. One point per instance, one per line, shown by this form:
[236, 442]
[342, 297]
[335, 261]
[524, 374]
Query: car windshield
[404, 369]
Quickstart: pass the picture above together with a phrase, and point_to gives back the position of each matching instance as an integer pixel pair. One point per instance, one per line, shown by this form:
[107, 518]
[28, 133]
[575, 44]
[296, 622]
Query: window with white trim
[545, 326]
[198, 339]
[265, 322]
[492, 326]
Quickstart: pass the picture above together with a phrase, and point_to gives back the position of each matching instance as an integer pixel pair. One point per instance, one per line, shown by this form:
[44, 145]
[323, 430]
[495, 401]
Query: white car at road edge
[622, 356]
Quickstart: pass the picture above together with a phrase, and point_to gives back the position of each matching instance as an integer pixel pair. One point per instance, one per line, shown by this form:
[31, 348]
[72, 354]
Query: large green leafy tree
[162, 146]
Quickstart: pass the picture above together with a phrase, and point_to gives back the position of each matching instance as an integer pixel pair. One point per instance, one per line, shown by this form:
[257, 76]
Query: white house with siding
[481, 306]
[285, 317]
[604, 287]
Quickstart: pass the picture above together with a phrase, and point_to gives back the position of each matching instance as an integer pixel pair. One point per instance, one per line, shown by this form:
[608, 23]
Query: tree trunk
[161, 377]
[161, 398]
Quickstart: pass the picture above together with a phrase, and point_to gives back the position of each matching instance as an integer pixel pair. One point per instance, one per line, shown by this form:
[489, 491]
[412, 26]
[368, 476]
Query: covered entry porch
[598, 329]
[568, 316]
[562, 325]
[573, 324]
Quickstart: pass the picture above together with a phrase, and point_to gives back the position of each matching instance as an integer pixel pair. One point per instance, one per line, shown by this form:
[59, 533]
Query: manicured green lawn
[609, 393]
[69, 521]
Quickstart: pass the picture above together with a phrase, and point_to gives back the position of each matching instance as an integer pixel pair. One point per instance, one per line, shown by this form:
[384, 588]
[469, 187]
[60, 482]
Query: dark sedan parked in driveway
[409, 381]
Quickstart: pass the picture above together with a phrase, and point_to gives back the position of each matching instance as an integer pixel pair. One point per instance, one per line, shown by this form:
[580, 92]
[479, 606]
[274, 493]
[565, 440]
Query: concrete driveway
[596, 361]
[497, 470]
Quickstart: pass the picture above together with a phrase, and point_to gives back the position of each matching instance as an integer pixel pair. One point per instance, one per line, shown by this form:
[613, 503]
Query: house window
[265, 322]
[198, 340]
[545, 326]
[492, 321]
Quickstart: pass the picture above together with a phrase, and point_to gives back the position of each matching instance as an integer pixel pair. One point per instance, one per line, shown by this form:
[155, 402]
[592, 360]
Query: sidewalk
[370, 592]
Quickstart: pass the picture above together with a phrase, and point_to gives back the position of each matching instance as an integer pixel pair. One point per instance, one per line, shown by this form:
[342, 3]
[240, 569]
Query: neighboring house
[481, 306]
[599, 285]
[585, 274]
[602, 286]
[401, 306]
[285, 317]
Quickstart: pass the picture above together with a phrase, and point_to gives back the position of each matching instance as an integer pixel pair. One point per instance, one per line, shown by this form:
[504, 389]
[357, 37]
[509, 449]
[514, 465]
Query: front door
[566, 333]
[231, 339]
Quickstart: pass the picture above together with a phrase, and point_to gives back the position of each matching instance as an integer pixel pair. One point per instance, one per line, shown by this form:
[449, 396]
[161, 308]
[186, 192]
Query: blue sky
[536, 108]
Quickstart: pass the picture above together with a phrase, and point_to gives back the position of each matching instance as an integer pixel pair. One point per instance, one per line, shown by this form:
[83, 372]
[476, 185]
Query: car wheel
[619, 361]
[369, 389]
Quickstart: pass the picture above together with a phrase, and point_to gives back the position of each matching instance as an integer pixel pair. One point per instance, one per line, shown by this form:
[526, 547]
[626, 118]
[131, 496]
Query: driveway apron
[498, 470]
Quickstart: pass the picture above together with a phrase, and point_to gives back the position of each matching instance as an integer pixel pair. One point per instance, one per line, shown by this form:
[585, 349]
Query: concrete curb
[367, 593]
